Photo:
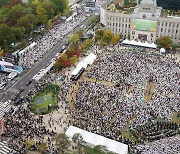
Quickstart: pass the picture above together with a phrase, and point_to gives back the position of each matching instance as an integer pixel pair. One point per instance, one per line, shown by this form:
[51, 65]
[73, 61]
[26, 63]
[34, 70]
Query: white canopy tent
[93, 139]
[78, 68]
[28, 47]
[83, 64]
[90, 59]
[139, 43]
[162, 50]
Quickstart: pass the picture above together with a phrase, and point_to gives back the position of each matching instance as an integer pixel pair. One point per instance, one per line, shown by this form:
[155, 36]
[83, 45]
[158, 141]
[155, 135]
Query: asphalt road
[20, 82]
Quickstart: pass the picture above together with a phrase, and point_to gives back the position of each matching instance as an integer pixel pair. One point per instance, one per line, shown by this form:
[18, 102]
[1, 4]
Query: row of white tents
[140, 44]
[83, 64]
[27, 48]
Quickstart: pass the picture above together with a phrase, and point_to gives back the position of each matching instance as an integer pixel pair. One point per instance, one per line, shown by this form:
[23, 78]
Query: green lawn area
[144, 25]
[127, 134]
[45, 100]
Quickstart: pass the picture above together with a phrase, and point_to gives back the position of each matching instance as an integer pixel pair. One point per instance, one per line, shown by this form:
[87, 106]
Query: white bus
[12, 75]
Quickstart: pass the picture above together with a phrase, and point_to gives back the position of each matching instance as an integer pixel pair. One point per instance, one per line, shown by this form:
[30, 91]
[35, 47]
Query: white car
[5, 103]
[57, 54]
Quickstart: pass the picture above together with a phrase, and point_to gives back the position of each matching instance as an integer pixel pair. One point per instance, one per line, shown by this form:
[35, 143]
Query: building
[144, 21]
[93, 140]
[90, 5]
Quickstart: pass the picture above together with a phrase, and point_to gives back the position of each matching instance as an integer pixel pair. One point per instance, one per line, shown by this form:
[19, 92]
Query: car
[20, 91]
[15, 97]
[63, 47]
[29, 82]
[19, 100]
[5, 104]
[57, 54]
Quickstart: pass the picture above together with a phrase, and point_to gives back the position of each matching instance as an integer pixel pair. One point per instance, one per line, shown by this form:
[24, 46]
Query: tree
[26, 23]
[99, 34]
[107, 36]
[19, 32]
[42, 147]
[57, 65]
[87, 43]
[1, 52]
[67, 12]
[75, 38]
[49, 9]
[49, 24]
[29, 143]
[78, 139]
[41, 14]
[115, 39]
[62, 143]
[6, 36]
[164, 42]
[14, 14]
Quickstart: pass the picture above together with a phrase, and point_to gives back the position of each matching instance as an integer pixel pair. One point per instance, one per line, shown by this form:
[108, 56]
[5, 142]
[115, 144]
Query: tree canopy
[18, 20]
[164, 42]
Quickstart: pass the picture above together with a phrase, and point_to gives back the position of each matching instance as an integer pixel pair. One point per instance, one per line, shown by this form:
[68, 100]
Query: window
[151, 34]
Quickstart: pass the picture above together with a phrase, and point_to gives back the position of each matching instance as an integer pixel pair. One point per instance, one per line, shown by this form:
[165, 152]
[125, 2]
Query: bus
[12, 75]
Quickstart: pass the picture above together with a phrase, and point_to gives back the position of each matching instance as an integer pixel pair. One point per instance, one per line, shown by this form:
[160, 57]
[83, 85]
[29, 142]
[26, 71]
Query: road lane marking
[3, 99]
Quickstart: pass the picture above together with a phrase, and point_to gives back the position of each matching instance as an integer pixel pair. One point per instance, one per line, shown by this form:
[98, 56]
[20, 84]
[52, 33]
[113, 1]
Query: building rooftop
[126, 9]
[170, 13]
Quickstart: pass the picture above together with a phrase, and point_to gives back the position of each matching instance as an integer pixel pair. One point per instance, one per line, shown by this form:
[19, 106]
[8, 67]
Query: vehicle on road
[19, 100]
[12, 75]
[29, 82]
[15, 97]
[63, 47]
[20, 91]
[2, 85]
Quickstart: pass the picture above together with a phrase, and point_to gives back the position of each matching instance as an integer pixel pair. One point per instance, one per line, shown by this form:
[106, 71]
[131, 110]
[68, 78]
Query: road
[13, 88]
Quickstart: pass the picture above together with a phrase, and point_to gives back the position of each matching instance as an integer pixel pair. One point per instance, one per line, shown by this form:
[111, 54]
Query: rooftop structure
[141, 21]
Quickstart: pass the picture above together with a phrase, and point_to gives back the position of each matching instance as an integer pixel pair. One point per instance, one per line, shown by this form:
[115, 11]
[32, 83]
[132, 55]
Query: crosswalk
[5, 108]
[4, 149]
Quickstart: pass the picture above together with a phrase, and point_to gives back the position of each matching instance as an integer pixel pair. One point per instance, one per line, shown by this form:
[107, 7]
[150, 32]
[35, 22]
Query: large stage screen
[143, 25]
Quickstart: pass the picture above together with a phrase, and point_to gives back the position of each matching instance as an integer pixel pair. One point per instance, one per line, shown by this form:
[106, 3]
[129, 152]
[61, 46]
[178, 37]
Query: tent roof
[146, 44]
[5, 63]
[94, 139]
[87, 61]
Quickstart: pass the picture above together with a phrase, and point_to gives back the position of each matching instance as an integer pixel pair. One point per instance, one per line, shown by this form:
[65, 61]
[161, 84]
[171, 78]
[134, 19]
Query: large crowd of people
[52, 37]
[110, 97]
[105, 109]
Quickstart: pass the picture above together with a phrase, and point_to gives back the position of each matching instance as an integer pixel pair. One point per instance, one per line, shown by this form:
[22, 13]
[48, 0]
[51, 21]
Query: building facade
[144, 22]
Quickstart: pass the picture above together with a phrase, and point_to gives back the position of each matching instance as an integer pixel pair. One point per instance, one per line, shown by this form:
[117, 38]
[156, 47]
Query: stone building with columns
[144, 21]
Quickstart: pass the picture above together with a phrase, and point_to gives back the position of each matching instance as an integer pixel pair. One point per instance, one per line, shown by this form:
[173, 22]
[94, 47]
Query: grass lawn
[45, 100]
[127, 134]
[175, 118]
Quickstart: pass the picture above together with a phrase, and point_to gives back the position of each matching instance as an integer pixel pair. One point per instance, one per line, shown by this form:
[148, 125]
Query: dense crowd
[105, 109]
[168, 145]
[3, 77]
[24, 125]
[54, 35]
